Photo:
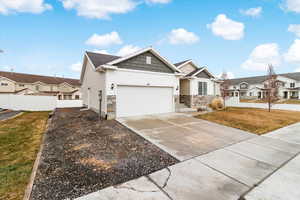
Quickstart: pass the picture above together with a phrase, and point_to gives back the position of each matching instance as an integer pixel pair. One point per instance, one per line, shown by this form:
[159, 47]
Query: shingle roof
[99, 59]
[31, 78]
[260, 79]
[194, 72]
[180, 63]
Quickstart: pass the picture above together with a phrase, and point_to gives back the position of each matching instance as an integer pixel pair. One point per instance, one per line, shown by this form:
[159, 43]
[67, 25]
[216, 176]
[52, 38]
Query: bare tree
[271, 87]
[224, 87]
[1, 51]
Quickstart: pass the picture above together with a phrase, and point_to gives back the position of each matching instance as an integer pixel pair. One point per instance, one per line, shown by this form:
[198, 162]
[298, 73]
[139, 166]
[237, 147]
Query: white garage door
[134, 101]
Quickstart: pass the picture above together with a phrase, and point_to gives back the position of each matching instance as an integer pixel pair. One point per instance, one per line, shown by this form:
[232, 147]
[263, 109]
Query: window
[4, 84]
[244, 86]
[21, 85]
[250, 94]
[76, 97]
[292, 85]
[148, 60]
[202, 88]
[51, 88]
[37, 87]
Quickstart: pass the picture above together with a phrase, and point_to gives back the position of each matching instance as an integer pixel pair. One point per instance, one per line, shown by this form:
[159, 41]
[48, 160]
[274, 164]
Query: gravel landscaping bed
[82, 155]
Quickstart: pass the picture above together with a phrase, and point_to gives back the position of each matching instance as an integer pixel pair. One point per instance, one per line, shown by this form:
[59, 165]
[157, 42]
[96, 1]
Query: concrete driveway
[8, 114]
[184, 136]
[218, 163]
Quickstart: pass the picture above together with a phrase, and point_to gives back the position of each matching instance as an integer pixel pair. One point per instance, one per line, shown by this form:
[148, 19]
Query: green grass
[20, 140]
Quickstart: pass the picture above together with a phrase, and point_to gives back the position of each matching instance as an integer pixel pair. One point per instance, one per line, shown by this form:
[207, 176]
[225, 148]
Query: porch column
[298, 94]
[289, 95]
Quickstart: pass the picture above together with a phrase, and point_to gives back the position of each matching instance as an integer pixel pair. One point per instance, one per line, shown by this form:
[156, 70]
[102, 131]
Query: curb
[15, 116]
[29, 186]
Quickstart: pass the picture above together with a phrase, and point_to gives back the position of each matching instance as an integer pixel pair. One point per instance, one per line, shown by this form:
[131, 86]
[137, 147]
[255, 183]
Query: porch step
[186, 110]
[183, 108]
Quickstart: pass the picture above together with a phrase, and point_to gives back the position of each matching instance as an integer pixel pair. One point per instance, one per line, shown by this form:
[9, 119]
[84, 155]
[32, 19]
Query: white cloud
[128, 49]
[29, 6]
[261, 56]
[104, 40]
[182, 36]
[298, 69]
[76, 67]
[253, 12]
[158, 1]
[294, 28]
[227, 28]
[292, 5]
[103, 51]
[293, 53]
[99, 9]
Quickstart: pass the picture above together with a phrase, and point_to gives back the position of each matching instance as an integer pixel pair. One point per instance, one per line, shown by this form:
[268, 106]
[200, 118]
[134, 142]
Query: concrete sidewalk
[223, 174]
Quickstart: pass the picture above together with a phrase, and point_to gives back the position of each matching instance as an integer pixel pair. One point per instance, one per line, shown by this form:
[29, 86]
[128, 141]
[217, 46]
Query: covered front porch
[291, 94]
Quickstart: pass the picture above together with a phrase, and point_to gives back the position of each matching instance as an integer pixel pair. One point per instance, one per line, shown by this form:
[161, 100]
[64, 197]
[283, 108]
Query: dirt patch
[82, 155]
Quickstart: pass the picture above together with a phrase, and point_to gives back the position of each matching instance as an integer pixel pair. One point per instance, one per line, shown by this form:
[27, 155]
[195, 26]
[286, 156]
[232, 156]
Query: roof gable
[204, 74]
[152, 51]
[138, 62]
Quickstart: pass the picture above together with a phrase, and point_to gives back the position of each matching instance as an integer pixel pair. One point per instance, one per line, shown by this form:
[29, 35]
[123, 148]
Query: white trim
[204, 68]
[153, 86]
[143, 51]
[85, 57]
[8, 79]
[183, 64]
[148, 72]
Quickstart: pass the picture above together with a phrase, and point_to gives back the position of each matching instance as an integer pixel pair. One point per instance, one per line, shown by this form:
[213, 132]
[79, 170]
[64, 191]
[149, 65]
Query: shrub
[217, 104]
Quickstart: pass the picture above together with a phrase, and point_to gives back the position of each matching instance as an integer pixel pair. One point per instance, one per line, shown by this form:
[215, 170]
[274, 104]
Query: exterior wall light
[112, 86]
[177, 88]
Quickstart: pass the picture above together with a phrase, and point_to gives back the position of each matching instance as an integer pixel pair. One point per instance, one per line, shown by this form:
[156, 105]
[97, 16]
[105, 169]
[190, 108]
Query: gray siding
[139, 63]
[203, 74]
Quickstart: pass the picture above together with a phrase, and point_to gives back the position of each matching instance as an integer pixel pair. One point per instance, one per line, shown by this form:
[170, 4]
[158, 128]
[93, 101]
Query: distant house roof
[260, 79]
[31, 78]
[100, 59]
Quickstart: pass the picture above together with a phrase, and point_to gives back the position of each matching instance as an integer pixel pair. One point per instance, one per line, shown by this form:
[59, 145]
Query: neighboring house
[254, 87]
[198, 86]
[29, 84]
[139, 84]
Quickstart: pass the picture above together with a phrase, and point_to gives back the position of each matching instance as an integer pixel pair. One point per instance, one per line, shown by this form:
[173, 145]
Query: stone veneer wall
[176, 101]
[111, 106]
[186, 99]
[199, 101]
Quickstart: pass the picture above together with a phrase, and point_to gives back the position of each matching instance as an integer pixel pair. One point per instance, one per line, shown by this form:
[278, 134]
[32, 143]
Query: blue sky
[49, 37]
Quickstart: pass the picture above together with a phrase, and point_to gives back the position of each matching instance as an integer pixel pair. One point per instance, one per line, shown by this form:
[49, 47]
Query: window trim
[204, 86]
[148, 60]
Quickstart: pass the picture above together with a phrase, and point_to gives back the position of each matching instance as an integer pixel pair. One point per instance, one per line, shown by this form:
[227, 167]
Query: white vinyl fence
[235, 102]
[35, 103]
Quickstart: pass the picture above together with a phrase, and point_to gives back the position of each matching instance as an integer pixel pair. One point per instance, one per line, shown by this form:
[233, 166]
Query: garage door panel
[134, 101]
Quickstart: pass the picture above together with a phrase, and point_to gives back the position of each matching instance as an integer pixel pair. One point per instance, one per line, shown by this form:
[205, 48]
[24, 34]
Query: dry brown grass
[291, 101]
[258, 121]
[20, 140]
[253, 101]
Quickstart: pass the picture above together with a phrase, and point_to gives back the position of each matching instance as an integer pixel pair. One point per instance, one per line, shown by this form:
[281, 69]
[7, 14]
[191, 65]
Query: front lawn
[291, 101]
[20, 140]
[254, 120]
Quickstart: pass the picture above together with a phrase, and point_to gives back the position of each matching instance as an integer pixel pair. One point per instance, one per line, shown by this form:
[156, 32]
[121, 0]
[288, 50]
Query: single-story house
[141, 83]
[197, 86]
